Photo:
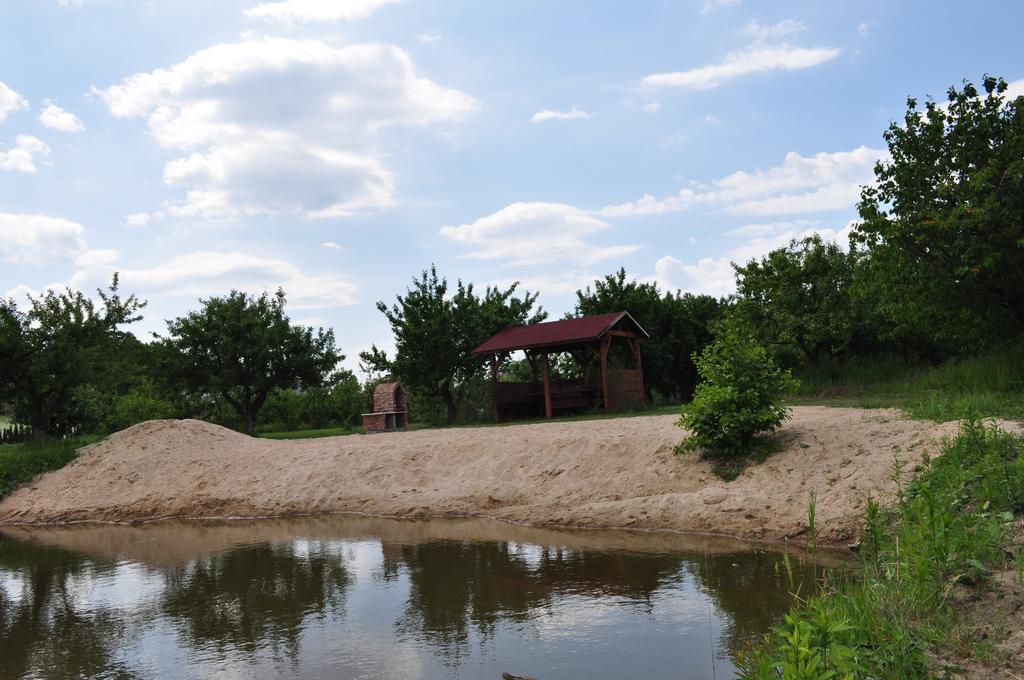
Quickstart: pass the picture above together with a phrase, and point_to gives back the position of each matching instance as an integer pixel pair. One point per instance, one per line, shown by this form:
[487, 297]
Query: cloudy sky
[338, 147]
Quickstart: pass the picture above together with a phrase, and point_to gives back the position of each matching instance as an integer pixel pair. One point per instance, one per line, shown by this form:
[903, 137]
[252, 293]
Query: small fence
[15, 434]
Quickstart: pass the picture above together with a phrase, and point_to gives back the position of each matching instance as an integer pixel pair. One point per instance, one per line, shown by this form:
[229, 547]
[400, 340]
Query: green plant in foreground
[740, 397]
[947, 530]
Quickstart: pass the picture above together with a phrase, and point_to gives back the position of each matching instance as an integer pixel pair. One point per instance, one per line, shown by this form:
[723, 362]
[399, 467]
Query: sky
[336, 148]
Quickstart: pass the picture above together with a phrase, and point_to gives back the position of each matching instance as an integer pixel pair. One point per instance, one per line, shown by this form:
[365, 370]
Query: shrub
[740, 397]
[139, 404]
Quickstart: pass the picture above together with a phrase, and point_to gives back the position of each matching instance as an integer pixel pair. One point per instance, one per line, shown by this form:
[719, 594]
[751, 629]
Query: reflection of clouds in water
[12, 586]
[577, 616]
[530, 554]
[123, 586]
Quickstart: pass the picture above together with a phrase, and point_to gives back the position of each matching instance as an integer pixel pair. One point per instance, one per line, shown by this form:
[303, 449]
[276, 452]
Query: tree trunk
[249, 422]
[449, 403]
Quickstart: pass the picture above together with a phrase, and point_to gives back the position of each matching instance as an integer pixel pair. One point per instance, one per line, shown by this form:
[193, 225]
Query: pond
[345, 596]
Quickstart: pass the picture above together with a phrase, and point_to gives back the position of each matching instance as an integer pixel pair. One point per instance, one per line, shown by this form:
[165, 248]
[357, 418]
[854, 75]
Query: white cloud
[536, 233]
[714, 120]
[429, 38]
[783, 29]
[572, 114]
[709, 5]
[716, 276]
[864, 29]
[314, 11]
[10, 101]
[37, 239]
[801, 184]
[283, 126]
[206, 273]
[139, 219]
[23, 156]
[331, 245]
[752, 59]
[56, 118]
[652, 107]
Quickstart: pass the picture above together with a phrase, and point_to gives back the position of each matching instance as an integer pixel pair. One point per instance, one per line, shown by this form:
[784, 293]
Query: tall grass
[988, 384]
[19, 463]
[947, 530]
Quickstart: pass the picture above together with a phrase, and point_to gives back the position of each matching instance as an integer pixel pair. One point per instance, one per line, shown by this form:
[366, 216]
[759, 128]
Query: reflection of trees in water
[751, 589]
[45, 631]
[459, 586]
[254, 595]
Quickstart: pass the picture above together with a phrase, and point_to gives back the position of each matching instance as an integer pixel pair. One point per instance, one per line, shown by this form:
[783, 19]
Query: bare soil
[610, 473]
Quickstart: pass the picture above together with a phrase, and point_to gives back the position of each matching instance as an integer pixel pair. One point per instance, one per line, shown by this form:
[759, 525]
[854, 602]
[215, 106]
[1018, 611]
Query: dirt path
[613, 473]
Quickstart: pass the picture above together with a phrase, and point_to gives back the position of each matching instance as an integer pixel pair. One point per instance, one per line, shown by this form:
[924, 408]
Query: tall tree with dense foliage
[52, 352]
[241, 347]
[435, 334]
[799, 298]
[944, 223]
[677, 323]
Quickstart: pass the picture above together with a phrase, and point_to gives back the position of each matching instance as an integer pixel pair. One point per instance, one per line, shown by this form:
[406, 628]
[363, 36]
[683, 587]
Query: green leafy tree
[435, 334]
[741, 396]
[241, 347]
[679, 325]
[799, 298]
[49, 355]
[944, 222]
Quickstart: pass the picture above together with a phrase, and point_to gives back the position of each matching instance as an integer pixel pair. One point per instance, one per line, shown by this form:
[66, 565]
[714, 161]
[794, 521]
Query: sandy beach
[601, 473]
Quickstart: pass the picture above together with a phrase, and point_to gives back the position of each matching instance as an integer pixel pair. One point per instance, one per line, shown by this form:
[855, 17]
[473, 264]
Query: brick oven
[390, 413]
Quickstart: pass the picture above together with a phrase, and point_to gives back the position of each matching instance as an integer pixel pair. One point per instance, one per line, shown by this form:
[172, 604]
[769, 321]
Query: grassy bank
[19, 463]
[989, 384]
[902, 615]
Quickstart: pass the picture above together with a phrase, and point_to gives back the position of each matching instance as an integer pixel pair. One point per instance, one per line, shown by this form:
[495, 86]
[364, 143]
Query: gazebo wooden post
[634, 343]
[547, 386]
[606, 400]
[494, 388]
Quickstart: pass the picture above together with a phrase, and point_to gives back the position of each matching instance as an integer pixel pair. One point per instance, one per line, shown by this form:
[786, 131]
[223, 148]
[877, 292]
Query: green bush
[740, 397]
[141, 403]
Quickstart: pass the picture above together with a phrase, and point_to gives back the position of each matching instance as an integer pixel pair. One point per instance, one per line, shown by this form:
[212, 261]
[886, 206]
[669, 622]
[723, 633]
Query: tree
[740, 397]
[800, 297]
[52, 352]
[241, 347]
[435, 334]
[944, 222]
[677, 323]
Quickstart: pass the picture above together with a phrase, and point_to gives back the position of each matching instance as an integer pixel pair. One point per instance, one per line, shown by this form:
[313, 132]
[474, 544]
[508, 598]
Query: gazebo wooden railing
[588, 340]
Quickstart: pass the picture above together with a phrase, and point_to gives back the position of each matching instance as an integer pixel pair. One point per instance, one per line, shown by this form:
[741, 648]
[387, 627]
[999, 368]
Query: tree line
[934, 270]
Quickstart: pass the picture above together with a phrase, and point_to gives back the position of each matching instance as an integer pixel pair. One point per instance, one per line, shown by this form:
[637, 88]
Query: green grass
[20, 463]
[947, 532]
[668, 409]
[990, 385]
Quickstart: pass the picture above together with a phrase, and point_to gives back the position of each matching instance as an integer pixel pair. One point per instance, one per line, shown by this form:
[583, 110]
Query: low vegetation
[741, 396]
[19, 463]
[896, 615]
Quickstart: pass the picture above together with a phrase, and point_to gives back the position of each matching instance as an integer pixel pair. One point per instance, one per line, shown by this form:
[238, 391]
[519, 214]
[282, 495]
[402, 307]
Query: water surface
[355, 597]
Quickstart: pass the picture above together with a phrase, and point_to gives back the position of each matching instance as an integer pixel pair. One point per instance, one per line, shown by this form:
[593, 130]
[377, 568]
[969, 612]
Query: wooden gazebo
[588, 340]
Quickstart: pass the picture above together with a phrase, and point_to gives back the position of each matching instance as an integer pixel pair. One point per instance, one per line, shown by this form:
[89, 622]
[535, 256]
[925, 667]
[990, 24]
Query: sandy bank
[612, 473]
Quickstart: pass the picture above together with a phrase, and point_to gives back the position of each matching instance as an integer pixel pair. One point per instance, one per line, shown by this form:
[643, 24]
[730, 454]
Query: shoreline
[601, 474]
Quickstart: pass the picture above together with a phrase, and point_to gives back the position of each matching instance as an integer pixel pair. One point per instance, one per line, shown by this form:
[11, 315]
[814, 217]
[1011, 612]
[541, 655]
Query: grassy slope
[936, 548]
[991, 384]
[19, 463]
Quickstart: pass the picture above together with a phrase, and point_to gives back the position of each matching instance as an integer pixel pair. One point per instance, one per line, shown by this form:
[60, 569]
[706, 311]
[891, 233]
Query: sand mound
[615, 473]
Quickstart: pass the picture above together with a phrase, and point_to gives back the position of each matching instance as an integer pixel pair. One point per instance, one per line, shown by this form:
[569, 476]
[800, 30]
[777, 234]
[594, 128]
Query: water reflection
[42, 623]
[358, 597]
[256, 595]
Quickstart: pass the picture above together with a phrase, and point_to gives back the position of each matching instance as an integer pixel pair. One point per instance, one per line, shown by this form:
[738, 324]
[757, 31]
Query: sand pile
[614, 473]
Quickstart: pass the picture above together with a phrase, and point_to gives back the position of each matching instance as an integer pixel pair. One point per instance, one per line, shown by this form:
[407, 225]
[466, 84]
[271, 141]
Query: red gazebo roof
[555, 333]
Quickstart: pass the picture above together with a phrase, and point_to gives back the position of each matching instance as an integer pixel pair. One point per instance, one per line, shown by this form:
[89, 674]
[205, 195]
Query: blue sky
[338, 147]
